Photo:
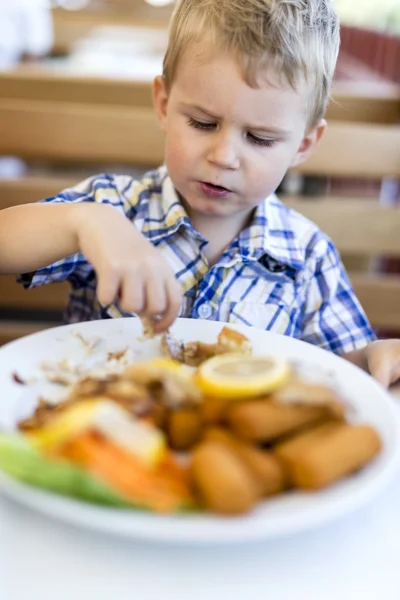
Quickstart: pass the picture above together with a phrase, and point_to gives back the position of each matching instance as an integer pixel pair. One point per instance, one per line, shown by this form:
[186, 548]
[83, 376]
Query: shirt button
[204, 311]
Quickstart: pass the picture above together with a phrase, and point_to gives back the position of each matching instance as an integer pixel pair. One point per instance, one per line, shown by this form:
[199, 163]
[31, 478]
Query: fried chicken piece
[263, 420]
[170, 389]
[266, 470]
[222, 481]
[195, 353]
[148, 327]
[184, 428]
[41, 415]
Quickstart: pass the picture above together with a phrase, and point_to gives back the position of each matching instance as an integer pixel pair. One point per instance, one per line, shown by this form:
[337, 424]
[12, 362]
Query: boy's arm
[36, 235]
[90, 223]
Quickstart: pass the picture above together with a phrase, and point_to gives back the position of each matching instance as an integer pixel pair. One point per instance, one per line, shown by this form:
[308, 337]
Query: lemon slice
[236, 377]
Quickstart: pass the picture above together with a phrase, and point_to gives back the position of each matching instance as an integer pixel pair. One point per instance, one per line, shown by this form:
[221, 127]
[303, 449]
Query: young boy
[242, 98]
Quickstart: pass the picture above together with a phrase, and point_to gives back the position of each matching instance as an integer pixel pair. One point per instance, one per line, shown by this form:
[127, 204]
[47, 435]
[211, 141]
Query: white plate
[282, 515]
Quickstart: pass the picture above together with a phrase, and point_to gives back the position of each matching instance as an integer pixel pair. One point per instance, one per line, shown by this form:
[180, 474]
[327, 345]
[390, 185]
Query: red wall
[379, 50]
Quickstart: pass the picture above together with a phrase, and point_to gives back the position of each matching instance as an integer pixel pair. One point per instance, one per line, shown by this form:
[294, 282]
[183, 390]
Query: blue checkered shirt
[280, 274]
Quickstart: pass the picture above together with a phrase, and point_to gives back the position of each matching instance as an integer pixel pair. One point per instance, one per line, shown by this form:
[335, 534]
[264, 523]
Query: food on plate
[107, 420]
[195, 353]
[298, 392]
[184, 428]
[125, 453]
[21, 460]
[165, 437]
[148, 327]
[264, 420]
[221, 479]
[317, 458]
[266, 470]
[214, 409]
[237, 377]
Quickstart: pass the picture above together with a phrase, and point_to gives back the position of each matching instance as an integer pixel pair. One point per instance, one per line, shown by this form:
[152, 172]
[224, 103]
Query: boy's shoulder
[139, 184]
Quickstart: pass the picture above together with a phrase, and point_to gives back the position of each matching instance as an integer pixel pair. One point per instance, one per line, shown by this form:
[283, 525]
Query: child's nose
[224, 151]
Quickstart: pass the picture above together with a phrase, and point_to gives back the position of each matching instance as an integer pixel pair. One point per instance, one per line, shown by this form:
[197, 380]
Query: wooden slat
[80, 133]
[349, 103]
[138, 13]
[49, 297]
[360, 227]
[356, 150]
[26, 83]
[14, 192]
[379, 295]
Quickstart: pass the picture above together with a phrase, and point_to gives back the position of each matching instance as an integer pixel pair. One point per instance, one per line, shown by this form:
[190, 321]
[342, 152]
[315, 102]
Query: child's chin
[211, 207]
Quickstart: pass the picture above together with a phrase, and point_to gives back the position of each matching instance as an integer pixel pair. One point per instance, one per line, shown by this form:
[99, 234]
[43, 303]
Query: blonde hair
[300, 37]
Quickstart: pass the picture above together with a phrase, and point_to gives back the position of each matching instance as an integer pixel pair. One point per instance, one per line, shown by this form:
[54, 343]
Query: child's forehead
[200, 60]
[216, 78]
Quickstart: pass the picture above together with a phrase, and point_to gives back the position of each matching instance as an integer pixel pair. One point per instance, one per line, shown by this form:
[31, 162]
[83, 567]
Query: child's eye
[200, 124]
[260, 141]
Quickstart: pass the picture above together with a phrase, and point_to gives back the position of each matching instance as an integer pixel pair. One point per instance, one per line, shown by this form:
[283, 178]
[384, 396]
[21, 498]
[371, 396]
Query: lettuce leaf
[22, 461]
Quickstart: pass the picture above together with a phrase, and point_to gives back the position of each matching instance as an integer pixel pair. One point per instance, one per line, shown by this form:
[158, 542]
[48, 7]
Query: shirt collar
[166, 214]
[271, 231]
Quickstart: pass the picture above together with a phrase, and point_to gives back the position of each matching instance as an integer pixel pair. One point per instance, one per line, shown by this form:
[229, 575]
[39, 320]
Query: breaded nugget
[223, 483]
[264, 420]
[184, 428]
[213, 409]
[267, 472]
[321, 456]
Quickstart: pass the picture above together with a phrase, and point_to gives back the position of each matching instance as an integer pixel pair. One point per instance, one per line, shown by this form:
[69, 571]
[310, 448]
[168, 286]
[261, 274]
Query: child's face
[228, 145]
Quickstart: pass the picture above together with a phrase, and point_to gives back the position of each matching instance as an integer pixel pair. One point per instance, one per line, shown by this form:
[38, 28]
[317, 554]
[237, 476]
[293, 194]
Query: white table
[355, 558]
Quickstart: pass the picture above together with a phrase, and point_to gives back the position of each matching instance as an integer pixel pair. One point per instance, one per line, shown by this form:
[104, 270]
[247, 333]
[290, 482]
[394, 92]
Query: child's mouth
[214, 191]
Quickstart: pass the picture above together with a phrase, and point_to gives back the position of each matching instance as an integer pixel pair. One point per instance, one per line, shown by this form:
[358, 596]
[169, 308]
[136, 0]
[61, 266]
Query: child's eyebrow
[199, 109]
[259, 128]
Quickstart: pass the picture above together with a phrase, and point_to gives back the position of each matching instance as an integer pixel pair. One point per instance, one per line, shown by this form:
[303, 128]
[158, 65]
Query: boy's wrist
[86, 216]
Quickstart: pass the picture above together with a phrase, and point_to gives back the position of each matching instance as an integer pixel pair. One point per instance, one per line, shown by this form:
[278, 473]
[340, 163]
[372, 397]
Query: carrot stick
[163, 489]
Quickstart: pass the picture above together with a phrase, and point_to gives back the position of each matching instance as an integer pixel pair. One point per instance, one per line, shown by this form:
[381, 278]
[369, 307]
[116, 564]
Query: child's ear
[160, 101]
[309, 143]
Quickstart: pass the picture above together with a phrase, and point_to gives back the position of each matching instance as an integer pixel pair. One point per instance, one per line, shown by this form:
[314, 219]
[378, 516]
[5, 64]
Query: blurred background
[75, 98]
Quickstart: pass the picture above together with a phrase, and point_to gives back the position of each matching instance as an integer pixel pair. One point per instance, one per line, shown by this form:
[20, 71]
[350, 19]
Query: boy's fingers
[107, 288]
[394, 374]
[384, 370]
[384, 361]
[156, 298]
[380, 370]
[132, 295]
[174, 298]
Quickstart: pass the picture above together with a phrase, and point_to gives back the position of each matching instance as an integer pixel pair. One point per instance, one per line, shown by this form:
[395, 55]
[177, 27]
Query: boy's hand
[128, 267]
[381, 359]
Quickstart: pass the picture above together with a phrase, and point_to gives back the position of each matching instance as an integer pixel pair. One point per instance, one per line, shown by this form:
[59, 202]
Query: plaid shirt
[280, 274]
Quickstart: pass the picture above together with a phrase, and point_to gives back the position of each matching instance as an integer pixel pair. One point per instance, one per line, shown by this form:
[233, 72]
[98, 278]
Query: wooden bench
[351, 101]
[59, 131]
[71, 27]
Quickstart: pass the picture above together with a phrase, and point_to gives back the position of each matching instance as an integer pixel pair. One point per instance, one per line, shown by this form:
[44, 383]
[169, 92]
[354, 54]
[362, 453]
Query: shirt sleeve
[102, 189]
[334, 318]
